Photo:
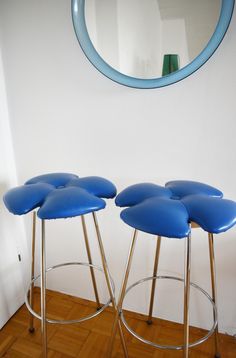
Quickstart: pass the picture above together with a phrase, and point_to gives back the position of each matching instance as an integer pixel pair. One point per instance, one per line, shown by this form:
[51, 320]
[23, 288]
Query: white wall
[13, 274]
[66, 116]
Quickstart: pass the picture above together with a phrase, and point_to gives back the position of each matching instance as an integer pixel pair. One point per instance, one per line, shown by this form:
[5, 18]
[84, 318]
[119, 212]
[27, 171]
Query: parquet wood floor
[90, 339]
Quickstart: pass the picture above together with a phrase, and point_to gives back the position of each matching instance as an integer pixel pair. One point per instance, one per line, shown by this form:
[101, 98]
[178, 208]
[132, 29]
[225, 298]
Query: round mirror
[151, 43]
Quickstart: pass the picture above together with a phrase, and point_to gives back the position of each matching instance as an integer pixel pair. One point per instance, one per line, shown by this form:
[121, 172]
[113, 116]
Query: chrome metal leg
[186, 295]
[109, 286]
[158, 248]
[213, 285]
[122, 294]
[43, 292]
[31, 295]
[90, 261]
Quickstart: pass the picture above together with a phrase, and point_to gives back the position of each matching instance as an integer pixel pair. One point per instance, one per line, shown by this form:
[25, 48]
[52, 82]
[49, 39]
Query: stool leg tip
[31, 330]
[98, 308]
[217, 355]
[149, 322]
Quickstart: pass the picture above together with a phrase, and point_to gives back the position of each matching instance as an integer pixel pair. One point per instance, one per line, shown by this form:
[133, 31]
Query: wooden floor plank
[6, 342]
[25, 348]
[68, 340]
[90, 338]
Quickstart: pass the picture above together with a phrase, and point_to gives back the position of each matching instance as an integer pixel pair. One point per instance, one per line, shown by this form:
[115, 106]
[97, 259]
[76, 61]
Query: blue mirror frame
[78, 17]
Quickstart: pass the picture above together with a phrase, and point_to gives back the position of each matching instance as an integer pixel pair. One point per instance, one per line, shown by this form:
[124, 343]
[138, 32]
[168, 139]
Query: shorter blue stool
[56, 196]
[171, 212]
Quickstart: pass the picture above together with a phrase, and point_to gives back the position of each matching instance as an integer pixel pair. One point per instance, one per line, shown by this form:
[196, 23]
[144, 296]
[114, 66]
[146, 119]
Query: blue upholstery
[59, 195]
[97, 186]
[55, 179]
[25, 198]
[158, 216]
[182, 188]
[163, 212]
[214, 215]
[69, 202]
[137, 193]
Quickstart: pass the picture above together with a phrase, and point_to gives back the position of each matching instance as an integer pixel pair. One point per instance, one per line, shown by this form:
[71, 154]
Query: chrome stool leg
[157, 255]
[122, 294]
[213, 284]
[187, 295]
[109, 286]
[43, 292]
[31, 295]
[90, 261]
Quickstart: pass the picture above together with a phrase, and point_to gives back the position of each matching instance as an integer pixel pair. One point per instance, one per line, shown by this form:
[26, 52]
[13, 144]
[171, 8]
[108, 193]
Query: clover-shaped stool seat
[57, 196]
[171, 212]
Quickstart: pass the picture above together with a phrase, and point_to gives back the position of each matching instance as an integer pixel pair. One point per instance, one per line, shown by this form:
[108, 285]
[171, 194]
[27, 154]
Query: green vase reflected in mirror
[170, 64]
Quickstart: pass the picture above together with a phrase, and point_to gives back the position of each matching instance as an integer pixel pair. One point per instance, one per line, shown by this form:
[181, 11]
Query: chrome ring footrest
[171, 347]
[53, 321]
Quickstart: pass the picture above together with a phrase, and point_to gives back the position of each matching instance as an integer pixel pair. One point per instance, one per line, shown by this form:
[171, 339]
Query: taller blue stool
[63, 195]
[171, 212]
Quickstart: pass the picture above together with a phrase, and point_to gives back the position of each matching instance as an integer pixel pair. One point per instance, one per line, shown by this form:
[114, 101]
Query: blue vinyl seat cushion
[22, 199]
[158, 216]
[69, 202]
[60, 195]
[137, 193]
[212, 214]
[97, 186]
[182, 188]
[55, 179]
[202, 204]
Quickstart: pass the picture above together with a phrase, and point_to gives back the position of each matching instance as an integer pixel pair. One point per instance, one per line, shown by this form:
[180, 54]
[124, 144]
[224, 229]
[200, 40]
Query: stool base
[98, 311]
[171, 347]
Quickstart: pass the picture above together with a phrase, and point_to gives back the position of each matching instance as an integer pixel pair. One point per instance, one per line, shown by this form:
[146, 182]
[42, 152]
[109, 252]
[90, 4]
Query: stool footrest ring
[54, 321]
[170, 347]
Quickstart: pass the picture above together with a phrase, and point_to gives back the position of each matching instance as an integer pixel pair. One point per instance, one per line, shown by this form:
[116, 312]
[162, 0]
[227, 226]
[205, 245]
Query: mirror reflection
[150, 38]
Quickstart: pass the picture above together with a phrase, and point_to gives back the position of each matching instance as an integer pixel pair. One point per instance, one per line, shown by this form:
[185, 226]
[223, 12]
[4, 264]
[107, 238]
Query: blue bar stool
[171, 212]
[56, 196]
